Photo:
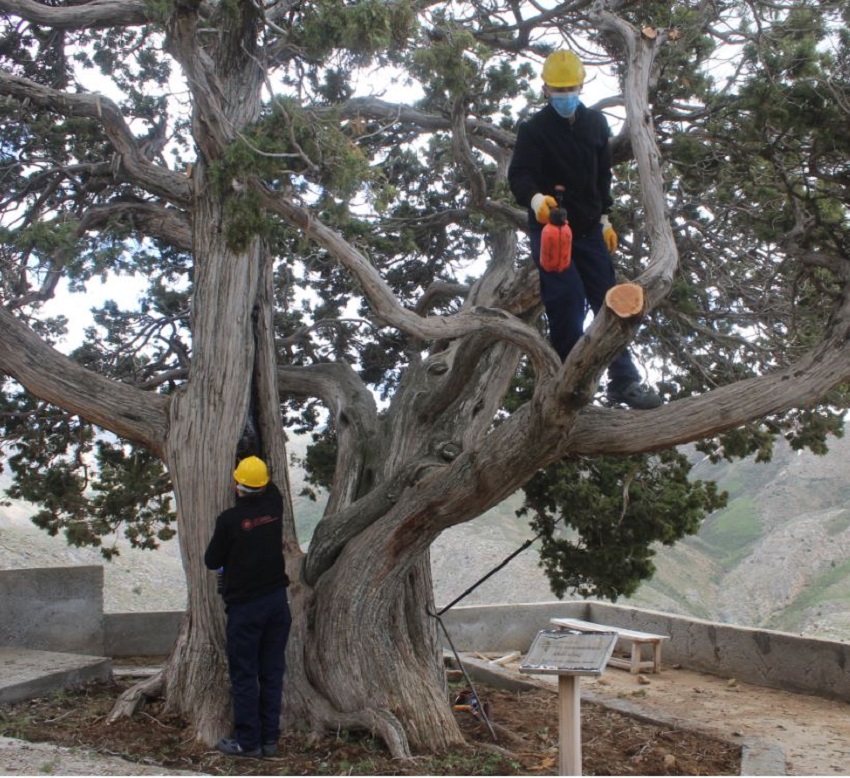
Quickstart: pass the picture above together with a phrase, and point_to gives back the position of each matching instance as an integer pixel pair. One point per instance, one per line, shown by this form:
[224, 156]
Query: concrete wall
[760, 656]
[61, 609]
[764, 657]
[505, 628]
[140, 634]
[53, 609]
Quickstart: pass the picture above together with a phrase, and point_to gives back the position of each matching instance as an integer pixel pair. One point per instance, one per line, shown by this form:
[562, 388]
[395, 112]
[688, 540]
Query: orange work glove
[541, 205]
[608, 234]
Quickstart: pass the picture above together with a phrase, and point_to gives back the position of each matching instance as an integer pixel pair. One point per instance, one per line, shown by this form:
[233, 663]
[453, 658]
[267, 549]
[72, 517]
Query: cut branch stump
[626, 300]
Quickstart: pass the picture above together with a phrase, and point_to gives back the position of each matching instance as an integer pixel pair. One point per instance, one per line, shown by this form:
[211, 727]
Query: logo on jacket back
[249, 524]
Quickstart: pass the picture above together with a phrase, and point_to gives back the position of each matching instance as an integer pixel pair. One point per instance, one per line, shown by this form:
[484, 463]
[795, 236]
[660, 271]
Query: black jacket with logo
[574, 153]
[248, 544]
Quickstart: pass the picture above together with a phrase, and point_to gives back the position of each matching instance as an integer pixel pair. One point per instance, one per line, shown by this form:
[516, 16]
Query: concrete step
[26, 673]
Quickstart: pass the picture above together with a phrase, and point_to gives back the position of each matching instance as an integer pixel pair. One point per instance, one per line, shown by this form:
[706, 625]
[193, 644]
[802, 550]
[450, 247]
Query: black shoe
[231, 747]
[635, 395]
[269, 749]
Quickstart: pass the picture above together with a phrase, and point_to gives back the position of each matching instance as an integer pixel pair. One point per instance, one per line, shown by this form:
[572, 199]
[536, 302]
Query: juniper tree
[321, 256]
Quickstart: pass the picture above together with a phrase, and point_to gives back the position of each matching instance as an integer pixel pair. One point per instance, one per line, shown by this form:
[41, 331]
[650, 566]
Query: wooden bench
[637, 640]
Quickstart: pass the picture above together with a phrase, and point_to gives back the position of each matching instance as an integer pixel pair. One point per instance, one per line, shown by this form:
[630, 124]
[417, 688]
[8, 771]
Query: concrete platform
[25, 673]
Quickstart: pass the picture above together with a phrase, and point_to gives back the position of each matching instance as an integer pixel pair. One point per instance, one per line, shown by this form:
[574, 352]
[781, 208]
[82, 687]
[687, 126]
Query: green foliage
[740, 443]
[752, 162]
[320, 461]
[363, 28]
[613, 510]
[85, 487]
[45, 238]
[159, 11]
[450, 63]
[132, 491]
[802, 428]
[288, 141]
[246, 220]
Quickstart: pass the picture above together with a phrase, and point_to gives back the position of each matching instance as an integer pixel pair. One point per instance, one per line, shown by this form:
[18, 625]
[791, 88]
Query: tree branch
[139, 170]
[437, 292]
[335, 530]
[616, 432]
[354, 416]
[152, 219]
[640, 50]
[394, 113]
[78, 16]
[50, 375]
[387, 309]
[463, 153]
[164, 223]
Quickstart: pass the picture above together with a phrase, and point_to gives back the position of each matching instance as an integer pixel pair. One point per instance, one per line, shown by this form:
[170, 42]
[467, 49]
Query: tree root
[505, 734]
[501, 750]
[130, 701]
[380, 723]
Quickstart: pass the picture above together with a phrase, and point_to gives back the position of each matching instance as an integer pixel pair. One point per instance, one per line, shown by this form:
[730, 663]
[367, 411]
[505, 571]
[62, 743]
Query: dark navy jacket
[551, 150]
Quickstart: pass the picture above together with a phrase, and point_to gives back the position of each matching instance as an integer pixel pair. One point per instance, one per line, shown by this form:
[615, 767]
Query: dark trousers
[566, 296]
[257, 632]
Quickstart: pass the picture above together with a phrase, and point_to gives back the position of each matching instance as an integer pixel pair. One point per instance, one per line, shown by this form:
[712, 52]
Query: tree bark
[211, 412]
[392, 675]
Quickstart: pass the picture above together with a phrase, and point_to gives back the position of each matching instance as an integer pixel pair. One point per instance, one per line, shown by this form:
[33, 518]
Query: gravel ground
[18, 757]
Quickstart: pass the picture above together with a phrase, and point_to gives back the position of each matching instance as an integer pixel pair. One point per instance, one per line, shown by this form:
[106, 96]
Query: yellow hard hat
[251, 472]
[563, 68]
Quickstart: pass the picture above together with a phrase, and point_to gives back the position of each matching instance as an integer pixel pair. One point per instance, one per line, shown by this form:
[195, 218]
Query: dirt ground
[705, 718]
[812, 733]
[525, 724]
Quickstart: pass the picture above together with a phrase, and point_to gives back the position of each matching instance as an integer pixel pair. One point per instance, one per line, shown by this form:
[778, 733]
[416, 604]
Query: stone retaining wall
[765, 657]
[61, 609]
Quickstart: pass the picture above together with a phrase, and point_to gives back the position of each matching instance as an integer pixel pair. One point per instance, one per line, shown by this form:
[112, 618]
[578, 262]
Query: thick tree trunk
[207, 419]
[373, 649]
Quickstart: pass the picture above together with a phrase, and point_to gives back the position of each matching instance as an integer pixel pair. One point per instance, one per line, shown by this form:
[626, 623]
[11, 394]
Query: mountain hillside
[777, 557]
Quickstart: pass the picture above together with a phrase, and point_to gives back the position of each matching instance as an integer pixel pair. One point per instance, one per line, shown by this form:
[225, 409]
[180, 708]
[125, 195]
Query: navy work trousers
[567, 294]
[257, 632]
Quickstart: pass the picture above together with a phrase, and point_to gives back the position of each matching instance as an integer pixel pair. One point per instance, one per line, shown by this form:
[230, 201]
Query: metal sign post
[569, 655]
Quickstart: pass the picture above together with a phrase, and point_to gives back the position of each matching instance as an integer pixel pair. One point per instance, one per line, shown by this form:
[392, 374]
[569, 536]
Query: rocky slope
[777, 557]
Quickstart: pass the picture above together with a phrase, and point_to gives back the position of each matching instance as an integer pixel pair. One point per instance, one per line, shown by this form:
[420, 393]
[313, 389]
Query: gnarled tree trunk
[389, 678]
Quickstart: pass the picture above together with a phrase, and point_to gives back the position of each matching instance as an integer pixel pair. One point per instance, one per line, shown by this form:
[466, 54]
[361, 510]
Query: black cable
[496, 569]
[456, 601]
[465, 675]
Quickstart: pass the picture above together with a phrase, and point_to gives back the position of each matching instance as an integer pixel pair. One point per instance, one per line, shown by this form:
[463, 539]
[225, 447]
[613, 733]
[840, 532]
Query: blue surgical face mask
[565, 104]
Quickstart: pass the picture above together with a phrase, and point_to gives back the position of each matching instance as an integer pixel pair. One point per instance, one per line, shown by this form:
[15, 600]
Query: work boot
[635, 394]
[231, 747]
[269, 749]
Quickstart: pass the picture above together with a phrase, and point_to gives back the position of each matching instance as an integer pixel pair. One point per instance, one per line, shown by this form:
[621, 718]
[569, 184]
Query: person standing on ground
[248, 544]
[565, 145]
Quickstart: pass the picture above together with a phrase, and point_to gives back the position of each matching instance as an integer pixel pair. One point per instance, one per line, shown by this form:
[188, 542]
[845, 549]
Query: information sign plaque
[563, 652]
[569, 655]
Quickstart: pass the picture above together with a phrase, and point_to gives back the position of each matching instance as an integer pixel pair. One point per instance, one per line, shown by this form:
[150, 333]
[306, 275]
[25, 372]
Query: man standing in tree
[248, 544]
[564, 147]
